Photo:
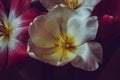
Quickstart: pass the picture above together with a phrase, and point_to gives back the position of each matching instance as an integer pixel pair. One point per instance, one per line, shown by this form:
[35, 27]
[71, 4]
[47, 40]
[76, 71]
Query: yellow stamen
[65, 43]
[73, 3]
[6, 32]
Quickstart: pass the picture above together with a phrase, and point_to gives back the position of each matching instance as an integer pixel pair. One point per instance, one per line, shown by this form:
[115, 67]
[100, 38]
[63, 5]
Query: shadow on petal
[89, 56]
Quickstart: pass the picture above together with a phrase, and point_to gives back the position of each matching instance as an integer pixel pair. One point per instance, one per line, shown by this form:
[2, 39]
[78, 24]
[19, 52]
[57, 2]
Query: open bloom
[81, 3]
[73, 4]
[14, 24]
[62, 36]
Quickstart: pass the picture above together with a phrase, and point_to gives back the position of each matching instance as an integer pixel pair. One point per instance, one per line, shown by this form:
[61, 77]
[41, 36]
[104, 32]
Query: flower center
[73, 3]
[65, 42]
[6, 32]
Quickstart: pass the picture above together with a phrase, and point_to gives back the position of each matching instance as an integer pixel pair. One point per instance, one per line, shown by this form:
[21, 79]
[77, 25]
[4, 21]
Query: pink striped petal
[20, 6]
[18, 54]
[26, 18]
[23, 36]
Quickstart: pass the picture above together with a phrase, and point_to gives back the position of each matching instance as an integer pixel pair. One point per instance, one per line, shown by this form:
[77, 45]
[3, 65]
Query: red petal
[18, 55]
[3, 58]
[2, 11]
[28, 17]
[109, 26]
[23, 36]
[20, 6]
[107, 19]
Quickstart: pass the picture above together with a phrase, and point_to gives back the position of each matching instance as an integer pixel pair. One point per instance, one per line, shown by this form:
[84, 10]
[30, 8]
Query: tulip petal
[48, 4]
[47, 55]
[43, 54]
[23, 35]
[3, 56]
[25, 18]
[90, 4]
[39, 35]
[18, 7]
[89, 55]
[58, 13]
[2, 43]
[48, 27]
[30, 52]
[54, 56]
[84, 30]
[17, 32]
[20, 33]
[16, 24]
[51, 25]
[66, 57]
[2, 13]
[40, 51]
[15, 54]
[83, 13]
[20, 24]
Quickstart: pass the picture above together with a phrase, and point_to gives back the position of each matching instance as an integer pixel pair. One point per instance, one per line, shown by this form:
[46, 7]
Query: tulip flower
[73, 4]
[62, 36]
[14, 23]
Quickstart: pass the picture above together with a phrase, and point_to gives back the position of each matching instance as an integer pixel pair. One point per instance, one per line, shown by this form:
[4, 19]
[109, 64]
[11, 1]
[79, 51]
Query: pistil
[5, 32]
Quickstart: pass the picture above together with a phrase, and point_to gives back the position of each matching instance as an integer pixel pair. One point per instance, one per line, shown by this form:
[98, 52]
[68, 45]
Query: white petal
[51, 25]
[44, 54]
[90, 4]
[60, 18]
[2, 43]
[83, 12]
[82, 30]
[12, 15]
[91, 28]
[31, 54]
[89, 56]
[48, 4]
[58, 59]
[39, 33]
[17, 31]
[12, 44]
[16, 22]
[67, 58]
[54, 56]
[39, 50]
[46, 28]
[61, 5]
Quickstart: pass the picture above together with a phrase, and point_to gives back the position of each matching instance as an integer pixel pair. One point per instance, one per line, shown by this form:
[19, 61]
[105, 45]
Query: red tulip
[14, 24]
